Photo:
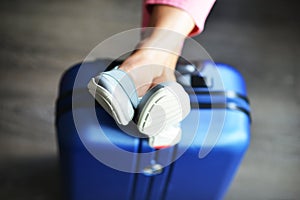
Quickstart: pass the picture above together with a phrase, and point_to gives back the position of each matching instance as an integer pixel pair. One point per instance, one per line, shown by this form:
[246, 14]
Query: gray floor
[41, 39]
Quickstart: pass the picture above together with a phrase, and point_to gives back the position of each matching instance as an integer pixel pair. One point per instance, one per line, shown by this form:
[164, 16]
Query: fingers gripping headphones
[157, 114]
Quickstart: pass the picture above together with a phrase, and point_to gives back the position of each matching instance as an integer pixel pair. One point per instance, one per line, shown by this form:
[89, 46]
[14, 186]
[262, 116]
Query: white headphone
[156, 115]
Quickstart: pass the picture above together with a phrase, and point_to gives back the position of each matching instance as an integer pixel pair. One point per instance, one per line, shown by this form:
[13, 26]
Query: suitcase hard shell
[216, 135]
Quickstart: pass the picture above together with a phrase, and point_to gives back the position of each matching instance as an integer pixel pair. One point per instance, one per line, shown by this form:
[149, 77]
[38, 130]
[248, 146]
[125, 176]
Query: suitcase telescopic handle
[189, 74]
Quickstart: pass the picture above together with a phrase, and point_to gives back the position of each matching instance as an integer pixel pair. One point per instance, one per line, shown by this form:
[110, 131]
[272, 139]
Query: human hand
[149, 67]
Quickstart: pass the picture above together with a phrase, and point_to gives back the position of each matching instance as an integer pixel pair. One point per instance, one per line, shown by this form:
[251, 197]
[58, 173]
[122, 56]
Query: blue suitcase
[100, 161]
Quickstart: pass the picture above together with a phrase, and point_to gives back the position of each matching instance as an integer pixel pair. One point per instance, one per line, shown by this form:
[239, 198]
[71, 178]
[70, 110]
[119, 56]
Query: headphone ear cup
[146, 110]
[115, 91]
[162, 106]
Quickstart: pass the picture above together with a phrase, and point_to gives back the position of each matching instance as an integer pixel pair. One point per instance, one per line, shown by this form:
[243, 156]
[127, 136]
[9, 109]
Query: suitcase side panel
[84, 176]
[210, 177]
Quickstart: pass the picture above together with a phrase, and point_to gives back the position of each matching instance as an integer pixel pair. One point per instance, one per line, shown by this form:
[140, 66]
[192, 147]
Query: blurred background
[40, 39]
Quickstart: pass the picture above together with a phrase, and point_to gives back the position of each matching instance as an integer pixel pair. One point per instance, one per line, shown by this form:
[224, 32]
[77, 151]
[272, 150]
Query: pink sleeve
[198, 9]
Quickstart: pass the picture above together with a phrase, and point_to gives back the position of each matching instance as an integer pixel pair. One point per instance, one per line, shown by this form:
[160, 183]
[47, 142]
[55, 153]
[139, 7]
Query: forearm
[168, 28]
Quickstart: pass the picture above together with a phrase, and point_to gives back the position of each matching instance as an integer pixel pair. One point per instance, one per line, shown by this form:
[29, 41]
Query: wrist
[161, 39]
